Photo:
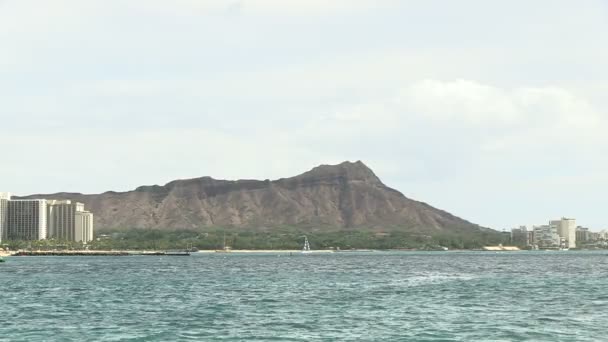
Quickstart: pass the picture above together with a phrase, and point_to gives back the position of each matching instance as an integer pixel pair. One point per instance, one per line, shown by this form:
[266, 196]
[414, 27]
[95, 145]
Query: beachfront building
[519, 236]
[38, 219]
[4, 198]
[546, 236]
[62, 217]
[68, 221]
[583, 235]
[26, 220]
[566, 228]
[83, 227]
[531, 237]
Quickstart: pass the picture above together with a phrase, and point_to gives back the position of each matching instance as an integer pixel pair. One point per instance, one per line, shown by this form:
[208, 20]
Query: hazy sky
[496, 111]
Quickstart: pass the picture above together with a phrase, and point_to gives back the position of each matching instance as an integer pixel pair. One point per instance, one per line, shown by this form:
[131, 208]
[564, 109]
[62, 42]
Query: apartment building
[26, 220]
[83, 227]
[4, 198]
[519, 236]
[546, 236]
[566, 228]
[38, 219]
[62, 219]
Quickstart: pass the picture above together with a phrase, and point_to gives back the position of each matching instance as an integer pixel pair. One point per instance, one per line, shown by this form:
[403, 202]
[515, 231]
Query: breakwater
[100, 253]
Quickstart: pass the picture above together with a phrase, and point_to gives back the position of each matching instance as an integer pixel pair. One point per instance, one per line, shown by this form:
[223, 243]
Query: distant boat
[306, 248]
[2, 259]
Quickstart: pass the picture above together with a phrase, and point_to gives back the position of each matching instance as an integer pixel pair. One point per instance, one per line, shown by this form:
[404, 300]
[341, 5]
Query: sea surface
[376, 296]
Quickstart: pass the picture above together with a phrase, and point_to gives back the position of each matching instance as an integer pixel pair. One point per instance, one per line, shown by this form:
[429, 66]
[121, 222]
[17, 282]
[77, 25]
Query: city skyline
[532, 225]
[563, 233]
[42, 219]
[536, 224]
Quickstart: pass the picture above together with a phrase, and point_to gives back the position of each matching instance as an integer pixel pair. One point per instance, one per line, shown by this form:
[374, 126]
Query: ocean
[374, 296]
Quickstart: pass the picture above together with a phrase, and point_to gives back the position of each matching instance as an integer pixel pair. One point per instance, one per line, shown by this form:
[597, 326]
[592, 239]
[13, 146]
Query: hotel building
[60, 218]
[520, 236]
[40, 219]
[546, 236]
[4, 198]
[566, 228]
[69, 221]
[83, 227]
[583, 234]
[26, 220]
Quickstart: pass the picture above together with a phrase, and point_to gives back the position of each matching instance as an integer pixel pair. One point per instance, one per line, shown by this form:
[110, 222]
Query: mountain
[344, 196]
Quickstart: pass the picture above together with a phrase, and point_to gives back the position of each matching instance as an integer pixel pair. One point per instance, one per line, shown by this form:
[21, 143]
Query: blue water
[435, 296]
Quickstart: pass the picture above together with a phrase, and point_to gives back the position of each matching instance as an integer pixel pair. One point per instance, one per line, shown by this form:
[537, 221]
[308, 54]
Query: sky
[495, 111]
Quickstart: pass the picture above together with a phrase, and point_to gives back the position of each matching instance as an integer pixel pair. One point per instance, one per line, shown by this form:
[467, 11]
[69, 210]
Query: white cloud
[547, 113]
[460, 100]
[311, 6]
[266, 7]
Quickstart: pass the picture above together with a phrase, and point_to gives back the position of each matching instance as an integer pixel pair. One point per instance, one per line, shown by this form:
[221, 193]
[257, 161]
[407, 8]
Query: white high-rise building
[83, 231]
[4, 198]
[566, 228]
[61, 218]
[38, 219]
[546, 236]
[26, 220]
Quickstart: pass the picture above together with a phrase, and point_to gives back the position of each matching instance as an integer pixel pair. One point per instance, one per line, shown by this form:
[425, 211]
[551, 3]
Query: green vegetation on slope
[279, 238]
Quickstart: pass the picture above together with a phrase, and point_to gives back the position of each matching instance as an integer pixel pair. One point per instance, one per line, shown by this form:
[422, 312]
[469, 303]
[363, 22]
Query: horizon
[495, 113]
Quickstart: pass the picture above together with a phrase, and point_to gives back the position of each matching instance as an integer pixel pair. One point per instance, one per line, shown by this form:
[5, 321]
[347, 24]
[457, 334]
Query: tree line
[281, 238]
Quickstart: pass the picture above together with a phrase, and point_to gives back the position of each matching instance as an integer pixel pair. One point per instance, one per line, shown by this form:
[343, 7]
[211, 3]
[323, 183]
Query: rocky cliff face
[348, 195]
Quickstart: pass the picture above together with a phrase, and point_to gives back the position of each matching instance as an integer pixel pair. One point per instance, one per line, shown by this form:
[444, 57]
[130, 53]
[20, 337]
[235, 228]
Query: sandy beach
[127, 252]
[266, 251]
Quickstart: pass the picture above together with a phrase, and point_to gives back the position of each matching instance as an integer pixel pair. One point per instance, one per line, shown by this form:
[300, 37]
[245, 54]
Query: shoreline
[21, 253]
[240, 251]
[253, 251]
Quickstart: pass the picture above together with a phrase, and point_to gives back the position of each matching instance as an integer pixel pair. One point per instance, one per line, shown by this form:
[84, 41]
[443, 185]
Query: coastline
[150, 252]
[261, 251]
[88, 253]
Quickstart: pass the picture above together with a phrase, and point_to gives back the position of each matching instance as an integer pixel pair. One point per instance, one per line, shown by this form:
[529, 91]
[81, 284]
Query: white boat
[306, 248]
